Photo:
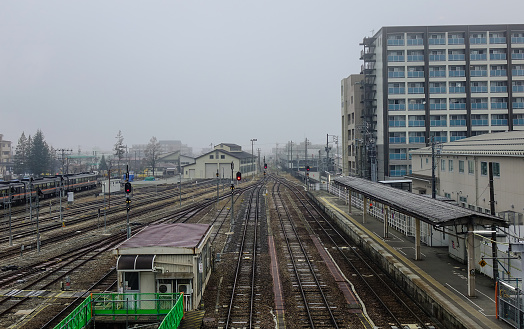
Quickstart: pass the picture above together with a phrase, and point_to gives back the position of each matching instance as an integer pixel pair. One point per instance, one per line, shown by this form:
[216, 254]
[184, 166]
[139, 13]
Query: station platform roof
[426, 209]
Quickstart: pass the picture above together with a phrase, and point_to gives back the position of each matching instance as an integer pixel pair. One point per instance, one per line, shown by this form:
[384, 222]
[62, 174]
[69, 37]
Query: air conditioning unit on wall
[164, 288]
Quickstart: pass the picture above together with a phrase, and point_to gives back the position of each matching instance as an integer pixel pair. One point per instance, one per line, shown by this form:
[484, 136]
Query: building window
[479, 120]
[471, 167]
[437, 71]
[497, 37]
[415, 39]
[498, 71]
[478, 54]
[457, 71]
[478, 71]
[499, 103]
[496, 169]
[395, 40]
[437, 55]
[397, 121]
[438, 121]
[477, 38]
[457, 87]
[499, 86]
[437, 39]
[518, 119]
[439, 136]
[396, 88]
[395, 72]
[415, 104]
[479, 86]
[450, 165]
[437, 87]
[415, 55]
[497, 54]
[455, 38]
[518, 70]
[457, 121]
[517, 53]
[397, 138]
[456, 55]
[397, 154]
[415, 87]
[457, 103]
[437, 103]
[396, 104]
[479, 103]
[415, 71]
[416, 121]
[461, 166]
[517, 86]
[417, 137]
[211, 157]
[457, 135]
[396, 56]
[499, 119]
[222, 156]
[443, 165]
[483, 168]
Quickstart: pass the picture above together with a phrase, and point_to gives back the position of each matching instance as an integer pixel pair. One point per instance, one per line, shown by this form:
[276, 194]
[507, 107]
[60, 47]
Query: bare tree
[152, 152]
[119, 149]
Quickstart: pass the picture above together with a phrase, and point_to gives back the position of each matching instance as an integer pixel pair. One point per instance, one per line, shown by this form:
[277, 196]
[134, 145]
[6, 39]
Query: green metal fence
[129, 305]
[79, 318]
[173, 318]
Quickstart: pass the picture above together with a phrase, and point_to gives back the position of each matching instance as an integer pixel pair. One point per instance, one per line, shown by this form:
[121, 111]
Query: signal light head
[127, 188]
[307, 168]
[265, 165]
[239, 176]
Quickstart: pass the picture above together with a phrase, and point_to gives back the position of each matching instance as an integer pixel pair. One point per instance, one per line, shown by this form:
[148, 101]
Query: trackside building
[166, 258]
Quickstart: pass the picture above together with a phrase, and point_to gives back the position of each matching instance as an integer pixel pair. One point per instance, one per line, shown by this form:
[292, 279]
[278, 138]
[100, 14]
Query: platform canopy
[431, 211]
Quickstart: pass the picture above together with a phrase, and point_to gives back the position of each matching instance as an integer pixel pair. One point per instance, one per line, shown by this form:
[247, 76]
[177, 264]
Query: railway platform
[442, 275]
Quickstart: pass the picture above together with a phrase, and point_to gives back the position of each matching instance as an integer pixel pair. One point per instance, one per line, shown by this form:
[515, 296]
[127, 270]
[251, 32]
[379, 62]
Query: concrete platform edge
[450, 311]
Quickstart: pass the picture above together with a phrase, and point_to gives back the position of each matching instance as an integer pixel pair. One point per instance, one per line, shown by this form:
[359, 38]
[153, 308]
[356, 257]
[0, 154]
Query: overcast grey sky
[203, 72]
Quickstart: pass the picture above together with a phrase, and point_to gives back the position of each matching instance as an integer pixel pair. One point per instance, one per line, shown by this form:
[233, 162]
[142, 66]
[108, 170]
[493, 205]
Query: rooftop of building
[177, 235]
[510, 143]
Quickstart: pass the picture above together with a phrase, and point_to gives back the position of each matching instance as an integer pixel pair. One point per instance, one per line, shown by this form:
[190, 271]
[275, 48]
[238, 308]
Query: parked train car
[47, 187]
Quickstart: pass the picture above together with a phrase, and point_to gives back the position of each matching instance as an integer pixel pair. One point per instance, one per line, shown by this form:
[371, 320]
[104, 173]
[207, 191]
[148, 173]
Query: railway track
[387, 304]
[315, 308]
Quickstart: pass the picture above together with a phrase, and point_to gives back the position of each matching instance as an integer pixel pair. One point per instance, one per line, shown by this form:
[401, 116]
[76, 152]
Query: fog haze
[203, 72]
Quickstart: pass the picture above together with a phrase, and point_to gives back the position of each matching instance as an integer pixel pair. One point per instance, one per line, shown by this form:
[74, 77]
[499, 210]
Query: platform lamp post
[252, 158]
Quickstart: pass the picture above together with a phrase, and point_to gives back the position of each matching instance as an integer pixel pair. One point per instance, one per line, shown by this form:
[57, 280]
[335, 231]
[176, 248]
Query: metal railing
[169, 306]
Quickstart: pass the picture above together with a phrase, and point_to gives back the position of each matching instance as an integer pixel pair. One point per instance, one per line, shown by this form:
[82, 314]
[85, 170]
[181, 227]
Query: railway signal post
[128, 189]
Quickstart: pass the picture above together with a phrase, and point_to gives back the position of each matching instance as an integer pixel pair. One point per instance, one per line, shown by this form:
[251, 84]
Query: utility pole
[253, 169]
[259, 166]
[493, 227]
[291, 156]
[305, 154]
[63, 158]
[433, 180]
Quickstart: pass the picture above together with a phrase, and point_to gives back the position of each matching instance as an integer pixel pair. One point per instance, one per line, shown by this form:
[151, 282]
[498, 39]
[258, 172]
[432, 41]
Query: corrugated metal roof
[429, 210]
[509, 143]
[178, 235]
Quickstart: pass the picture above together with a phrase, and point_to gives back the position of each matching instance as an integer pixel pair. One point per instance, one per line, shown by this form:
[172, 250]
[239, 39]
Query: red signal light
[239, 176]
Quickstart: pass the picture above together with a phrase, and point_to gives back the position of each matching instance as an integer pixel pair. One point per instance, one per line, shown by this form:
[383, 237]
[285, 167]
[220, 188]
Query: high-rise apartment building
[439, 83]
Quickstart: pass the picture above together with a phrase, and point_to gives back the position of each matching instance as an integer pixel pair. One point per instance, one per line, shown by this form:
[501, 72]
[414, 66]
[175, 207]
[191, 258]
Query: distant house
[220, 159]
[171, 163]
